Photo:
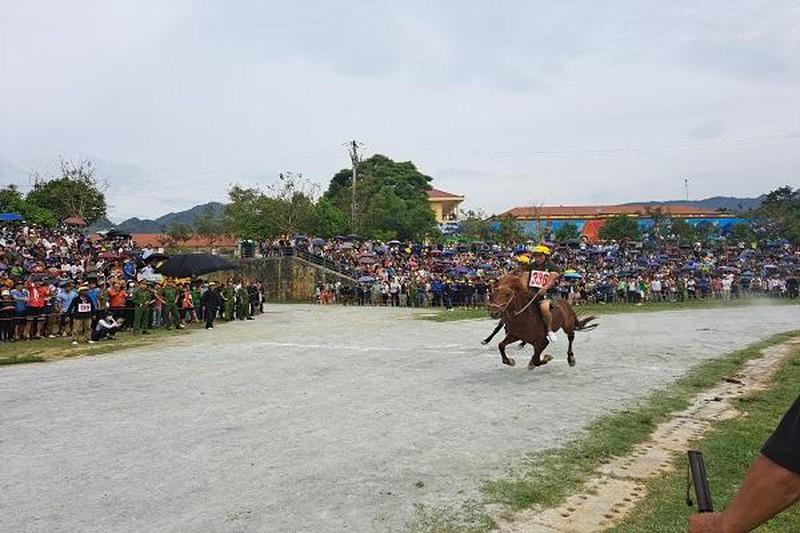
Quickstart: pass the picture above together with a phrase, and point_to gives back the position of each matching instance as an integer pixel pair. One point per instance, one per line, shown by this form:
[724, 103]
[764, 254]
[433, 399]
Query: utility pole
[352, 148]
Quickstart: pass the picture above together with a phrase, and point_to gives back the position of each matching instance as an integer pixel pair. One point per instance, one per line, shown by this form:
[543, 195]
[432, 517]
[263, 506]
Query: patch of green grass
[18, 360]
[443, 315]
[42, 350]
[547, 478]
[728, 450]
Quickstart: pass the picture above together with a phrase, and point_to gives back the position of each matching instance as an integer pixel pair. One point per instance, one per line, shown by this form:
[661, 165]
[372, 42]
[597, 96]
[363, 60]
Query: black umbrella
[190, 265]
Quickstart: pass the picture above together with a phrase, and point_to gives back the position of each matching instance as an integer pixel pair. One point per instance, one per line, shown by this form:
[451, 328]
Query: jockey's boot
[551, 336]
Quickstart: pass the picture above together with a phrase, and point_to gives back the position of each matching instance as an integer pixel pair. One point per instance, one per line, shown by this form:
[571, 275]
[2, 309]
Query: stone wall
[285, 279]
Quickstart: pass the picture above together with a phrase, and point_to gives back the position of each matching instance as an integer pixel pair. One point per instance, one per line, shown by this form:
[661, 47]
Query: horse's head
[502, 297]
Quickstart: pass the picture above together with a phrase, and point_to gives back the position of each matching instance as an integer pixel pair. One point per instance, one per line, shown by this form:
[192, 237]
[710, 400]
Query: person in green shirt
[169, 294]
[142, 298]
[244, 302]
[228, 297]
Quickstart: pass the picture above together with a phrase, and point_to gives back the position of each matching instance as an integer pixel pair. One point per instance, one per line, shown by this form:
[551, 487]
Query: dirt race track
[318, 419]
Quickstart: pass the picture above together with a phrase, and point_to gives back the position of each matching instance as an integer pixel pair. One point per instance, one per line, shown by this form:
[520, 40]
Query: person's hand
[705, 523]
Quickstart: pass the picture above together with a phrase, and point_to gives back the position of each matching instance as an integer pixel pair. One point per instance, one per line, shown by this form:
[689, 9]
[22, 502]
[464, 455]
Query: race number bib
[84, 308]
[538, 278]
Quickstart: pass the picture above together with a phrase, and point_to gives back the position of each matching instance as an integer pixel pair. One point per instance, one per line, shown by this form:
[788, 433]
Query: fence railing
[324, 262]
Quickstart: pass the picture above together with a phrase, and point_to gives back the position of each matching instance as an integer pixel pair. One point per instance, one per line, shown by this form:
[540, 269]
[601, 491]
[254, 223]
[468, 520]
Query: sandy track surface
[318, 419]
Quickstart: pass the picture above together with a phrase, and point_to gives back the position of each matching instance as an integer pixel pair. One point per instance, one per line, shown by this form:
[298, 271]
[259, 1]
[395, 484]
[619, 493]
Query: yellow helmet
[541, 249]
[524, 259]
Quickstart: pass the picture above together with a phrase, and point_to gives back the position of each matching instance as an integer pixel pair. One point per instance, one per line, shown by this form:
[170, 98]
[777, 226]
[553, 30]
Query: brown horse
[511, 302]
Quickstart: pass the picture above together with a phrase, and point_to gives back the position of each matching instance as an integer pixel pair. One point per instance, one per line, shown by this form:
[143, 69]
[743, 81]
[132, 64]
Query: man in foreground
[771, 485]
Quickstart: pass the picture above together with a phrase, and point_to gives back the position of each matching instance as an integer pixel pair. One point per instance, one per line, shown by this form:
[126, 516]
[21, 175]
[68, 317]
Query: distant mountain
[188, 216]
[159, 225]
[728, 203]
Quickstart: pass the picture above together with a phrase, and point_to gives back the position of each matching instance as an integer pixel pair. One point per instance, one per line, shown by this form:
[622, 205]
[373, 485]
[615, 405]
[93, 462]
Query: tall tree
[475, 225]
[176, 235]
[75, 192]
[567, 232]
[209, 226]
[778, 216]
[12, 201]
[509, 230]
[620, 228]
[391, 198]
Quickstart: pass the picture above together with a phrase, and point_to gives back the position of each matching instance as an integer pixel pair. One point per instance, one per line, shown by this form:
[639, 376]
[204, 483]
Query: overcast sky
[509, 103]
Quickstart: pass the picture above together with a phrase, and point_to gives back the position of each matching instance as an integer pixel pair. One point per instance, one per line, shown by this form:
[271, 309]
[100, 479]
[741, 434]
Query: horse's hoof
[509, 362]
[571, 361]
[546, 359]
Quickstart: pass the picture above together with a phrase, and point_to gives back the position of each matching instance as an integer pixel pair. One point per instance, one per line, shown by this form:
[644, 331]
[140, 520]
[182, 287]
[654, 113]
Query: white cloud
[535, 101]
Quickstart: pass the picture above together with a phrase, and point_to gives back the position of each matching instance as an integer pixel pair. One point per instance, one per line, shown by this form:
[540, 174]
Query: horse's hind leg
[537, 359]
[502, 347]
[570, 353]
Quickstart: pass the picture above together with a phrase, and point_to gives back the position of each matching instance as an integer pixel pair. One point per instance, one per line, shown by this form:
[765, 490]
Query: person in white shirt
[106, 328]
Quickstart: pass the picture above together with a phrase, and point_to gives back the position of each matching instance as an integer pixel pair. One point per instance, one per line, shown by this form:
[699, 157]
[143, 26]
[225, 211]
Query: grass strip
[728, 450]
[443, 315]
[546, 478]
[42, 350]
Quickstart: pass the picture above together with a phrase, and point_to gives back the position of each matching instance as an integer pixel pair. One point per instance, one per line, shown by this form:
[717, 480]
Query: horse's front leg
[537, 359]
[502, 347]
[496, 329]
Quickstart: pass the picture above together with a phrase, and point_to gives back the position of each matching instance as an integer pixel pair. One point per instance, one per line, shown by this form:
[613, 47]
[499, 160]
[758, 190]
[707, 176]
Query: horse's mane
[517, 282]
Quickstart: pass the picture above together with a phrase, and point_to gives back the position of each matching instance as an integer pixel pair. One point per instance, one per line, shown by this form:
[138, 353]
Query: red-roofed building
[195, 244]
[590, 218]
[444, 204]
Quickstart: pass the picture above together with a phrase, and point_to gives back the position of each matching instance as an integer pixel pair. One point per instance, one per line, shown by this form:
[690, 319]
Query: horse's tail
[582, 323]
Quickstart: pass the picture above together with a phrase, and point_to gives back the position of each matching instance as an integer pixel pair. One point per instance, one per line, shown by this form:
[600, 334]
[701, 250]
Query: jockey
[543, 276]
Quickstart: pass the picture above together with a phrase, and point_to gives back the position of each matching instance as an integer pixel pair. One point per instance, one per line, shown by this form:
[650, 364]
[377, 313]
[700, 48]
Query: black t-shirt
[783, 447]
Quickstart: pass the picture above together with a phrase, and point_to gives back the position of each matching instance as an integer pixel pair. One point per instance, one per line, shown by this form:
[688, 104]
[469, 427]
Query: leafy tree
[209, 226]
[176, 235]
[661, 222]
[244, 214]
[510, 230]
[475, 225]
[12, 200]
[742, 233]
[329, 220]
[778, 216]
[620, 228]
[391, 199]
[683, 232]
[285, 208]
[567, 231]
[75, 192]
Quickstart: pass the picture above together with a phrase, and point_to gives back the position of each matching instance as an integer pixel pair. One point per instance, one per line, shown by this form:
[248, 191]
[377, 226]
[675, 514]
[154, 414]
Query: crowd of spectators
[64, 283]
[462, 275]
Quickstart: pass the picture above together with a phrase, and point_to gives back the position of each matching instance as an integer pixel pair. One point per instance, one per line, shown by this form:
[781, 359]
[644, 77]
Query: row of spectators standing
[413, 274]
[61, 282]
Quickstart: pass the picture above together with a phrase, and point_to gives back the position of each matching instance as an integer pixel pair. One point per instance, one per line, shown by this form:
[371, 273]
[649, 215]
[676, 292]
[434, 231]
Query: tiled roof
[440, 194]
[590, 211]
[156, 240]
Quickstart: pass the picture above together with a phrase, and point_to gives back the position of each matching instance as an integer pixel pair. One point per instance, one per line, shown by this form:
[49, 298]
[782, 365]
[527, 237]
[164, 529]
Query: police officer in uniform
[142, 298]
[169, 294]
[228, 297]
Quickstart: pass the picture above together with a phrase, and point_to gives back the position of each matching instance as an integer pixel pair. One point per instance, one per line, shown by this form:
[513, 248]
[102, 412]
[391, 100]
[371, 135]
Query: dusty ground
[317, 419]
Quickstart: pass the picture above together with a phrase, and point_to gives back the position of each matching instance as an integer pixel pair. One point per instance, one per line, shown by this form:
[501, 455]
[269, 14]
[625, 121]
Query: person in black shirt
[212, 301]
[542, 279]
[771, 485]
